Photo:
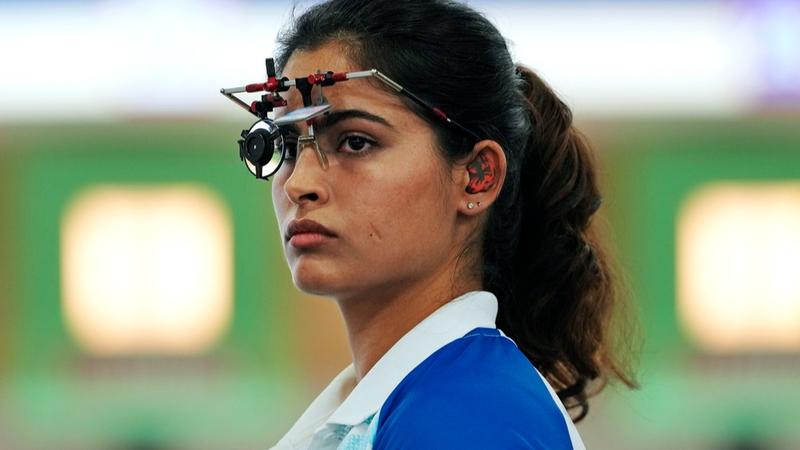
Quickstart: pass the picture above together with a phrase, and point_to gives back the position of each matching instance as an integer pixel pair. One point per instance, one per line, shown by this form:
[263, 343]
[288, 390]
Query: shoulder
[478, 391]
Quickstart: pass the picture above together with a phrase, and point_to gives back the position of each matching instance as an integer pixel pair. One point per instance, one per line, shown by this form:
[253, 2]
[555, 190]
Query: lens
[263, 149]
[255, 146]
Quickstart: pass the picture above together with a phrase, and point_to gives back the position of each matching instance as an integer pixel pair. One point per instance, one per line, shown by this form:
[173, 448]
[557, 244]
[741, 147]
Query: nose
[306, 183]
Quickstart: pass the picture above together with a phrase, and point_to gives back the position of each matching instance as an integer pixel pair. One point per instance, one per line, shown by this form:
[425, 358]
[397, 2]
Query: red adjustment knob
[275, 100]
[323, 79]
[272, 84]
[255, 87]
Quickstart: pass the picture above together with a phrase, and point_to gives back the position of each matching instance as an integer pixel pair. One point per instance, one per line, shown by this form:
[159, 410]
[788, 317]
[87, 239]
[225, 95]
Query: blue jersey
[453, 382]
[477, 392]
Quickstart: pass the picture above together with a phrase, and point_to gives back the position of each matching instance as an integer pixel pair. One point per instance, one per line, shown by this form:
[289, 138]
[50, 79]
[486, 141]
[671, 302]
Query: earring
[470, 205]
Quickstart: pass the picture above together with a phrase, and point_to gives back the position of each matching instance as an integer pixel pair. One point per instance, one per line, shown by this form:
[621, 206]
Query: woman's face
[386, 195]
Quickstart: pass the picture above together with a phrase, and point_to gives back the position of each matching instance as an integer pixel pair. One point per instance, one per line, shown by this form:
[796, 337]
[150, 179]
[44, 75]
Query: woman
[476, 297]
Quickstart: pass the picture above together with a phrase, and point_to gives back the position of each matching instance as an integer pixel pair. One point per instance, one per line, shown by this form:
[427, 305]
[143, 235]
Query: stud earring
[470, 205]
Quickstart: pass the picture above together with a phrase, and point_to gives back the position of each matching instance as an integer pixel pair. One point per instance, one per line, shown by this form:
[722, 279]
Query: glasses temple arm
[436, 111]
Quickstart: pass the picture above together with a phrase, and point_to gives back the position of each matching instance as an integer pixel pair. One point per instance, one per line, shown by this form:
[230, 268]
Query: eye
[355, 143]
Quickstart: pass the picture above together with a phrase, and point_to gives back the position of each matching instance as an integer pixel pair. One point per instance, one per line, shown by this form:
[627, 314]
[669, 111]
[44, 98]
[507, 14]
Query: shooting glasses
[263, 147]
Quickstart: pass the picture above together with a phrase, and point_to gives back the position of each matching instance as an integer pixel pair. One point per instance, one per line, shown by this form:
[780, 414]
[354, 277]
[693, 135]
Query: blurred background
[144, 300]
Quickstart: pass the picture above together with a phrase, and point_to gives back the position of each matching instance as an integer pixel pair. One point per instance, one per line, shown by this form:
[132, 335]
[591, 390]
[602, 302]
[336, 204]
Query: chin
[313, 288]
[311, 280]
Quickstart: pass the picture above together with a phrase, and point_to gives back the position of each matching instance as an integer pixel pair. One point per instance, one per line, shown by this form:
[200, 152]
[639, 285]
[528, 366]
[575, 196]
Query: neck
[376, 320]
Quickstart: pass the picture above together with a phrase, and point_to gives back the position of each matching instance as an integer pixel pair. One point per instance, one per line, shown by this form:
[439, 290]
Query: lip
[307, 233]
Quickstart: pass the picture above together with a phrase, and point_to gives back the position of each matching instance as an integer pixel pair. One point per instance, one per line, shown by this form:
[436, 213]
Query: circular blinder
[262, 149]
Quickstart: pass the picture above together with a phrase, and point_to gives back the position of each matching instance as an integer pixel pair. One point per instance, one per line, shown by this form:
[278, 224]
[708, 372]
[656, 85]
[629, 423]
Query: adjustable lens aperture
[262, 148]
[255, 144]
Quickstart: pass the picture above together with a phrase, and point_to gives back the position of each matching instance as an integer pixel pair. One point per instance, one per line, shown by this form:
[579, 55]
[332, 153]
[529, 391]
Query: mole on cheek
[374, 232]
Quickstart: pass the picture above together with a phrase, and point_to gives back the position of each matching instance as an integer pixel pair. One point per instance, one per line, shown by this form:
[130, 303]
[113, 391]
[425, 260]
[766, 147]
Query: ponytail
[562, 287]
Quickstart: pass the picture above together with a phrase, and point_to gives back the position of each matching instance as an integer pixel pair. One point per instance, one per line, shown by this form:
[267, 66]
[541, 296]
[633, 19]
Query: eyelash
[291, 141]
[370, 143]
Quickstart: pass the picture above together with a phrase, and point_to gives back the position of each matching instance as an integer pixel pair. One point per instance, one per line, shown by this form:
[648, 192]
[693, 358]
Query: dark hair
[555, 285]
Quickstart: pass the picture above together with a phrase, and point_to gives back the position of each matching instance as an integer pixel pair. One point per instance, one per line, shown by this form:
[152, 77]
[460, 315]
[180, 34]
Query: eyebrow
[332, 118]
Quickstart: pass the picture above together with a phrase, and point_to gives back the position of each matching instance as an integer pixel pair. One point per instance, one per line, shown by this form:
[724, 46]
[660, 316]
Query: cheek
[403, 213]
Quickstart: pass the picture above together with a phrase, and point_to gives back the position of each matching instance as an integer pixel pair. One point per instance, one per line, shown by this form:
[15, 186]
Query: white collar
[344, 402]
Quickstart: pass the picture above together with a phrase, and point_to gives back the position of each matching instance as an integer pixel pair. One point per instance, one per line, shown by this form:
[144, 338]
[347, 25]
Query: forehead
[355, 93]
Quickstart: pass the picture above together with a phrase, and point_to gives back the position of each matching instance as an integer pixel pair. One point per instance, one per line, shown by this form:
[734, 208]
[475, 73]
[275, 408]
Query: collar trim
[474, 309]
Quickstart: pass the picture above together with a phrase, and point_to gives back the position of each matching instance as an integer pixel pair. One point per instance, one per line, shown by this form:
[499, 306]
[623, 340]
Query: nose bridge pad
[303, 141]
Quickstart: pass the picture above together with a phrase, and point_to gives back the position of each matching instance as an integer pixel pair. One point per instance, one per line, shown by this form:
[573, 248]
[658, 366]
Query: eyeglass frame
[272, 99]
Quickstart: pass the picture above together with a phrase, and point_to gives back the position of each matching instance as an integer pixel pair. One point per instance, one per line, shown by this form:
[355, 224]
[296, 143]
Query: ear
[480, 177]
